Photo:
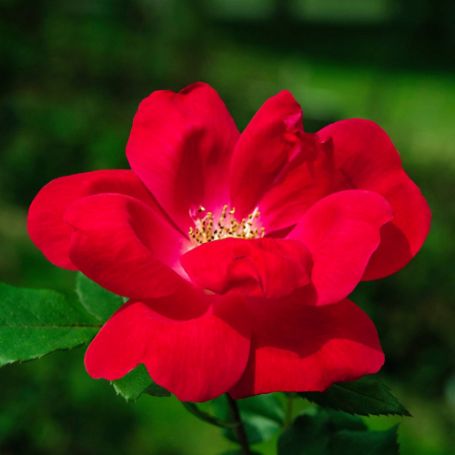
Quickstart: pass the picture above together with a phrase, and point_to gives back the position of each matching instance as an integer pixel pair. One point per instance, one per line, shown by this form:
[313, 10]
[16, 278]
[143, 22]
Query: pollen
[209, 226]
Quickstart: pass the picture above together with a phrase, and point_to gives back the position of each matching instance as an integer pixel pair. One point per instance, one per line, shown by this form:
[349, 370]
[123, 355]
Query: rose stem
[289, 410]
[239, 429]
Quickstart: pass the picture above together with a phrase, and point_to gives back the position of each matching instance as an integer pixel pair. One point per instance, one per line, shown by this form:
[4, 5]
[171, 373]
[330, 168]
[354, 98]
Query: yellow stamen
[209, 227]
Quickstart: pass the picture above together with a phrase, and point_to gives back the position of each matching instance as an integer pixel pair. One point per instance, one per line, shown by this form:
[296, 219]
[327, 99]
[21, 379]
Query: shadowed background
[72, 76]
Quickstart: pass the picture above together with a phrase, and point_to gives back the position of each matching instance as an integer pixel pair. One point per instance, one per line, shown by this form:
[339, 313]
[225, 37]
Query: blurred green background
[72, 76]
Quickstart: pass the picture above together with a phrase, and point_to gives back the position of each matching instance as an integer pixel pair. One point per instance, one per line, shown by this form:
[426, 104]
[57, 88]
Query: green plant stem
[289, 410]
[240, 428]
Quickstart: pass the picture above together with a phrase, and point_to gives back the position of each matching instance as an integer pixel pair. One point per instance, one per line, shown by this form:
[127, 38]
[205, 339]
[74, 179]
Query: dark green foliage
[348, 442]
[335, 433]
[366, 396]
[263, 416]
[194, 409]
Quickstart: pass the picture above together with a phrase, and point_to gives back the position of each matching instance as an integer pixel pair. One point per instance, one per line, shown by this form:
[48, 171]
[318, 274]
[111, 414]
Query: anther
[209, 227]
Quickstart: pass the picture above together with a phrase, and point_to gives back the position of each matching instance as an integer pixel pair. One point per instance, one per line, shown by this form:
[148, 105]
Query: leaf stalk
[239, 429]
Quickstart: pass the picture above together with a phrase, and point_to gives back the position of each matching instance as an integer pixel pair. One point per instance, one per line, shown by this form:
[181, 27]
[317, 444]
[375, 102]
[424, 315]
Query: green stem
[240, 428]
[289, 410]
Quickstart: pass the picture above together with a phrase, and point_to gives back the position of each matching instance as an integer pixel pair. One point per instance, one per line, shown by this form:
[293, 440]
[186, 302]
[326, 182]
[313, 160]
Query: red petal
[367, 158]
[341, 232]
[261, 267]
[125, 245]
[298, 347]
[45, 222]
[278, 167]
[196, 358]
[179, 146]
[402, 239]
[299, 188]
[263, 149]
[120, 344]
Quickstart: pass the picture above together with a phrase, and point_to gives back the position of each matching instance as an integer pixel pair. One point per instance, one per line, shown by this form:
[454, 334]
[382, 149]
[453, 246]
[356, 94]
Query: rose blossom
[237, 251]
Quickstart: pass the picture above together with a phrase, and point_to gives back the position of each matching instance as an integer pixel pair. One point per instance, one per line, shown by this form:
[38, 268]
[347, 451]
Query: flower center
[209, 226]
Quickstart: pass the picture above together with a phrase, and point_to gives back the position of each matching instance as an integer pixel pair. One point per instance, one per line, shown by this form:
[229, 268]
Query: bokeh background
[72, 74]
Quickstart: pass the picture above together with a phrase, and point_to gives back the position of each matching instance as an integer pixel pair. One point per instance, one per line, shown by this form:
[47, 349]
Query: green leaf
[206, 417]
[137, 382]
[96, 300]
[262, 415]
[35, 322]
[365, 442]
[343, 421]
[308, 435]
[157, 391]
[367, 396]
[312, 434]
[335, 433]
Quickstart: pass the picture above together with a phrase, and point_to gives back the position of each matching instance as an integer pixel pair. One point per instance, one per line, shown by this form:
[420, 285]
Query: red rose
[237, 252]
